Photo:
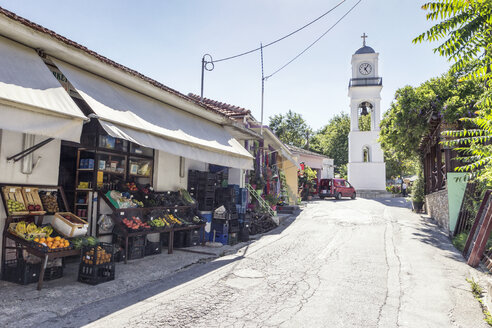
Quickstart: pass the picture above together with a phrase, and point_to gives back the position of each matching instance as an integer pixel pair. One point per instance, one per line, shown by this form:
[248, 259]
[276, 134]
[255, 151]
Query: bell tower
[366, 168]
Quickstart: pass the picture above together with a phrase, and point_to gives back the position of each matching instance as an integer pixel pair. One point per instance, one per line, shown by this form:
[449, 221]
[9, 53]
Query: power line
[312, 44]
[282, 38]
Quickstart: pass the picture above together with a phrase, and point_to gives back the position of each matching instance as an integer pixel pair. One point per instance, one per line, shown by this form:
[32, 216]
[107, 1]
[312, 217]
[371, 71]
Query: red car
[337, 188]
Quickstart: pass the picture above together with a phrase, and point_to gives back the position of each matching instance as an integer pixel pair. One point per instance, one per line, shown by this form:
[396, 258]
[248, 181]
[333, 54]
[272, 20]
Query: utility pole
[262, 88]
[206, 59]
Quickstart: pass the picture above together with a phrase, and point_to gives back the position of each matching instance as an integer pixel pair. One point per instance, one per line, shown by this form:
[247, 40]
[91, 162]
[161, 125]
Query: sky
[166, 40]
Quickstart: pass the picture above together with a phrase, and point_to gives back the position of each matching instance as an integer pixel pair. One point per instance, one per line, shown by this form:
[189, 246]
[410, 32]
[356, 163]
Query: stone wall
[438, 208]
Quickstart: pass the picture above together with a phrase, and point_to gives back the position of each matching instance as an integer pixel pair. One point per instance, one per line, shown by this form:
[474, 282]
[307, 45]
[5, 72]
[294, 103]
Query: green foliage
[418, 188]
[396, 167]
[365, 122]
[332, 140]
[467, 30]
[460, 240]
[290, 128]
[404, 124]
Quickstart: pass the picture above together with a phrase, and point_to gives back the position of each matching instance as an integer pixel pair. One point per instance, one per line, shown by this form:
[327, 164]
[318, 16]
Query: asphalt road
[348, 263]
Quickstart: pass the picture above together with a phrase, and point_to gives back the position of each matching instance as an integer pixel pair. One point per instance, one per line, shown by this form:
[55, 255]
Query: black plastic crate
[52, 273]
[179, 239]
[96, 274]
[136, 241]
[243, 234]
[21, 272]
[164, 239]
[153, 248]
[136, 252]
[233, 225]
[233, 238]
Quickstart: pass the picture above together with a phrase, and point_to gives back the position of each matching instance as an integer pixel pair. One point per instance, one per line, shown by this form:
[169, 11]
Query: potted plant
[418, 194]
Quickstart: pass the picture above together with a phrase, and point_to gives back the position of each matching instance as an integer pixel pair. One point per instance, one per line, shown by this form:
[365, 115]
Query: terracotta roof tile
[226, 109]
[101, 58]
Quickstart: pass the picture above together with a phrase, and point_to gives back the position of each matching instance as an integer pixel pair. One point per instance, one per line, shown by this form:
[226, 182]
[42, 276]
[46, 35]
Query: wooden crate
[14, 193]
[31, 197]
[75, 227]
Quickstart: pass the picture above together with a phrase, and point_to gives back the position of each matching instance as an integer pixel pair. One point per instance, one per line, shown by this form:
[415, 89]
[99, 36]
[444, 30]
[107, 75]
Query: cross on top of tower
[364, 36]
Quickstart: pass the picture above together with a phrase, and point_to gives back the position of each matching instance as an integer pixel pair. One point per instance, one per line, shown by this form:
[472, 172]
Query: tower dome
[365, 50]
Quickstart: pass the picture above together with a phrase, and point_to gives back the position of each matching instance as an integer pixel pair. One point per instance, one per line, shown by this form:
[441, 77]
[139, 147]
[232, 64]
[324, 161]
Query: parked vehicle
[337, 188]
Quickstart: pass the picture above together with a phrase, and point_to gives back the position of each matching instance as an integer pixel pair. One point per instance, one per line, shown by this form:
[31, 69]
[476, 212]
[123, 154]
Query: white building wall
[45, 172]
[166, 171]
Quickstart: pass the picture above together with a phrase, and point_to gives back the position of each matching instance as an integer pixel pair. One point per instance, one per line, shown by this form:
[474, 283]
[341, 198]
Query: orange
[36, 240]
[42, 240]
[57, 238]
[49, 239]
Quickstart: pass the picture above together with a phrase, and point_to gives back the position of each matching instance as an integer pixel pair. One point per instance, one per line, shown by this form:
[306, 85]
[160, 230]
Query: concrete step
[372, 194]
[287, 209]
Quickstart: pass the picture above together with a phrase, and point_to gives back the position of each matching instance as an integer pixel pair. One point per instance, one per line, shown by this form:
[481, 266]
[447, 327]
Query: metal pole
[262, 88]
[203, 73]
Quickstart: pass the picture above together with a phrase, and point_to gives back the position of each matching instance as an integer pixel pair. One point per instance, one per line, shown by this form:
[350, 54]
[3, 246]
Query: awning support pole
[17, 157]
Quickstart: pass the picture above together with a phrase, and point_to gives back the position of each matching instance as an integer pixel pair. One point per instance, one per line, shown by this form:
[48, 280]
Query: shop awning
[31, 99]
[130, 115]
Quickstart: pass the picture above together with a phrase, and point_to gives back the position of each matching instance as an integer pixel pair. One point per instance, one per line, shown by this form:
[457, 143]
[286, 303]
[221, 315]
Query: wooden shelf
[81, 204]
[139, 175]
[86, 170]
[112, 172]
[83, 189]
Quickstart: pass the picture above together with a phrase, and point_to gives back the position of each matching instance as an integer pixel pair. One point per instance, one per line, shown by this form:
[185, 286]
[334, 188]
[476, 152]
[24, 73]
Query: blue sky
[167, 39]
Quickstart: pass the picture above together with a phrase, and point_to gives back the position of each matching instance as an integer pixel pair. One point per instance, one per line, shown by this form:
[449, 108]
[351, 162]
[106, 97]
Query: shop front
[91, 157]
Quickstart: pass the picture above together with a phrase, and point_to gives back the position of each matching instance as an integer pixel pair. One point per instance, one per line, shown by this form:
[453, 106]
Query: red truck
[337, 188]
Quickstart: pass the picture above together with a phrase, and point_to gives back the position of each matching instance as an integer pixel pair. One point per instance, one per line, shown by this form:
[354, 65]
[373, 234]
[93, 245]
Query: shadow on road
[96, 310]
[430, 233]
[395, 202]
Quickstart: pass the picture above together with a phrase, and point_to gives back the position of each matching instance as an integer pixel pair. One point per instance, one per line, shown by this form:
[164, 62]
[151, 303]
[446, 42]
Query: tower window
[365, 111]
[366, 156]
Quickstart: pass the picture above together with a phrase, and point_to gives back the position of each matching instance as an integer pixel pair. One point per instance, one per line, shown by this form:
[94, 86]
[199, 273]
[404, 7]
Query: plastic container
[96, 274]
[153, 248]
[233, 238]
[207, 217]
[222, 238]
[73, 227]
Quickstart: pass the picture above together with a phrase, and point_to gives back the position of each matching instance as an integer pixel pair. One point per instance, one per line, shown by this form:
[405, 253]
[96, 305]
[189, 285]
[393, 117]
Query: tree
[291, 129]
[332, 140]
[465, 26]
[405, 123]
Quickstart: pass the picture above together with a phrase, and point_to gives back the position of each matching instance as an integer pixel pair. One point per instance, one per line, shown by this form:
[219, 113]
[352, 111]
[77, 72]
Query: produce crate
[136, 241]
[153, 248]
[14, 193]
[192, 237]
[94, 275]
[31, 197]
[136, 252]
[233, 238]
[21, 272]
[222, 238]
[243, 233]
[49, 199]
[179, 239]
[164, 239]
[73, 226]
[220, 226]
[233, 225]
[96, 264]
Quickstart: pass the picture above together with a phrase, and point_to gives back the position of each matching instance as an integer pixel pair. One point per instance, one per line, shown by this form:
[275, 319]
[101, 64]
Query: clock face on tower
[365, 68]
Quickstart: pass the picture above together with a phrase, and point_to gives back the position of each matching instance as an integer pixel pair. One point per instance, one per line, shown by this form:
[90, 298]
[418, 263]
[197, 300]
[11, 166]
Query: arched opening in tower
[365, 113]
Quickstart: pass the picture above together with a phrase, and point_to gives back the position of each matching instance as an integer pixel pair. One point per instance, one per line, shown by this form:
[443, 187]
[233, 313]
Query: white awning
[31, 99]
[129, 115]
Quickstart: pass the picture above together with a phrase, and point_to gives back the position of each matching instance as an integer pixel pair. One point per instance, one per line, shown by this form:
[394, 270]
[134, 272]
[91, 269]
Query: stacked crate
[226, 225]
[201, 186]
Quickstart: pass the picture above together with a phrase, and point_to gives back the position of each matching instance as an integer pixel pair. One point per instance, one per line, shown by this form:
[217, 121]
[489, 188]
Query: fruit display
[34, 207]
[15, 206]
[30, 231]
[80, 242]
[53, 243]
[131, 186]
[172, 219]
[96, 255]
[135, 223]
[187, 197]
[50, 202]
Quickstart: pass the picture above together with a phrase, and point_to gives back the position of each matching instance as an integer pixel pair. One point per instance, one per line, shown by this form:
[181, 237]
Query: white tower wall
[370, 174]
